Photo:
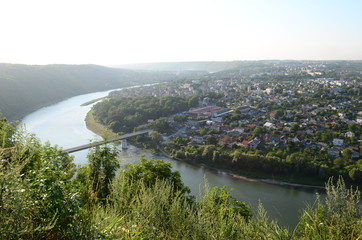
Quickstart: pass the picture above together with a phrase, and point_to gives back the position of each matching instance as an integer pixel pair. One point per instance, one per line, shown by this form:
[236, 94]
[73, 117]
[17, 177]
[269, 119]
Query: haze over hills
[25, 88]
[203, 66]
[220, 66]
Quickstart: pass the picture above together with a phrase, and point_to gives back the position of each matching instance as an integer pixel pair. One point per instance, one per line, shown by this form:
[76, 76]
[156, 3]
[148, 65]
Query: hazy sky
[110, 32]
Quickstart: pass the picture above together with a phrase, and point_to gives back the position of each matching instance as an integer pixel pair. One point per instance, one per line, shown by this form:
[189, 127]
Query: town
[303, 115]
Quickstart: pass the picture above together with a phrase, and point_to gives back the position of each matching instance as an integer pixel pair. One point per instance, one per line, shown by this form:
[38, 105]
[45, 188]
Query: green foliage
[339, 218]
[180, 118]
[156, 212]
[219, 202]
[37, 197]
[295, 165]
[151, 170]
[161, 125]
[156, 137]
[7, 130]
[103, 164]
[123, 114]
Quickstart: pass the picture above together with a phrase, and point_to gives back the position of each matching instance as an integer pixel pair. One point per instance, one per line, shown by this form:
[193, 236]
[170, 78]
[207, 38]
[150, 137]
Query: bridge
[119, 138]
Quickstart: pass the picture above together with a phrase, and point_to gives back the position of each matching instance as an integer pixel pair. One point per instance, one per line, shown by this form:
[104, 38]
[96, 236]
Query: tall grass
[157, 212]
[340, 217]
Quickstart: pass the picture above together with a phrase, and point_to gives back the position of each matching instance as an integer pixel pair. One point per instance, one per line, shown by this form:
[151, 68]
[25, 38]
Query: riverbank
[249, 179]
[101, 130]
[98, 128]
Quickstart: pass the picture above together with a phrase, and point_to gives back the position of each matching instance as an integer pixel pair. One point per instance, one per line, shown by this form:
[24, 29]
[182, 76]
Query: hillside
[25, 88]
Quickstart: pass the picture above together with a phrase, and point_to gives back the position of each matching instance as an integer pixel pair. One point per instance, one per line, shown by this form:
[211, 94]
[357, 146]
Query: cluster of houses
[309, 106]
[276, 132]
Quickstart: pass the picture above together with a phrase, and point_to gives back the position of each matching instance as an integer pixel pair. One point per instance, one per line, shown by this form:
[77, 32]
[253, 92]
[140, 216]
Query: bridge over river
[119, 138]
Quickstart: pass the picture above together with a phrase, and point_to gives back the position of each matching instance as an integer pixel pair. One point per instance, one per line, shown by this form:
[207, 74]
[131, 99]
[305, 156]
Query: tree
[180, 118]
[103, 163]
[207, 154]
[279, 113]
[339, 162]
[210, 140]
[347, 153]
[7, 130]
[356, 175]
[156, 137]
[150, 170]
[219, 203]
[295, 127]
[36, 190]
[257, 131]
[161, 125]
[193, 101]
[203, 131]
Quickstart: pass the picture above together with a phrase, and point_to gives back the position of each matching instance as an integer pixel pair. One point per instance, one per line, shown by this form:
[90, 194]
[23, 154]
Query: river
[63, 124]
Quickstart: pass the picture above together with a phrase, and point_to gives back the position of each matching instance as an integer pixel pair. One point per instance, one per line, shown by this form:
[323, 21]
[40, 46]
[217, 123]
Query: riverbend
[63, 124]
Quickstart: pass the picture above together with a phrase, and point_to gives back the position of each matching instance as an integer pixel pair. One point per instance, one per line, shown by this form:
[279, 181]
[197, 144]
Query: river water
[63, 124]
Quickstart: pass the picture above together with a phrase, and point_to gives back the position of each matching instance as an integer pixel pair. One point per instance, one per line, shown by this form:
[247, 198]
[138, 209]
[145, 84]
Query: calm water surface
[63, 124]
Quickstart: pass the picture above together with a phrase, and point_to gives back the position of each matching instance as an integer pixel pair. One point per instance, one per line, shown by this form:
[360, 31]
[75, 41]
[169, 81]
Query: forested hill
[25, 88]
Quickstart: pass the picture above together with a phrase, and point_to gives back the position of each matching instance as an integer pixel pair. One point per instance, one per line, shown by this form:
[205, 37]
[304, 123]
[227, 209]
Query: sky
[111, 32]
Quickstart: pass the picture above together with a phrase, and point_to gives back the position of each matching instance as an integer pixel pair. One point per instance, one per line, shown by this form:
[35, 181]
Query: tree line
[300, 164]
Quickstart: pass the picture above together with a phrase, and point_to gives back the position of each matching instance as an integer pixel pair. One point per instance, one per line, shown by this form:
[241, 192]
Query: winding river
[63, 124]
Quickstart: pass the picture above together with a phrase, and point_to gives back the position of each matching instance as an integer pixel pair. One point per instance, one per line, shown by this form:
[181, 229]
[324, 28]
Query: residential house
[268, 125]
[349, 134]
[254, 143]
[228, 141]
[222, 112]
[333, 152]
[275, 140]
[203, 112]
[338, 142]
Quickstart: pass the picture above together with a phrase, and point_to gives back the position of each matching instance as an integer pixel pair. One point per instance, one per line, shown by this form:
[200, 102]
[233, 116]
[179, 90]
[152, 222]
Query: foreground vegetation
[41, 198]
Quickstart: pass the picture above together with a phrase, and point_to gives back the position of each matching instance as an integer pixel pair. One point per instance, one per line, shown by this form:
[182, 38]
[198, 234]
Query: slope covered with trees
[24, 88]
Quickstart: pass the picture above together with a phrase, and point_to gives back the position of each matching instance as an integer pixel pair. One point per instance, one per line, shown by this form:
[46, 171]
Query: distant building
[349, 134]
[228, 141]
[254, 143]
[338, 142]
[203, 112]
[333, 152]
[269, 91]
[268, 125]
[359, 119]
[222, 112]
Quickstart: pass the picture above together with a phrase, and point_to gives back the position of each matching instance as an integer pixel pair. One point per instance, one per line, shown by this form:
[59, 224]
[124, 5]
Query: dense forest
[41, 198]
[123, 114]
[24, 88]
